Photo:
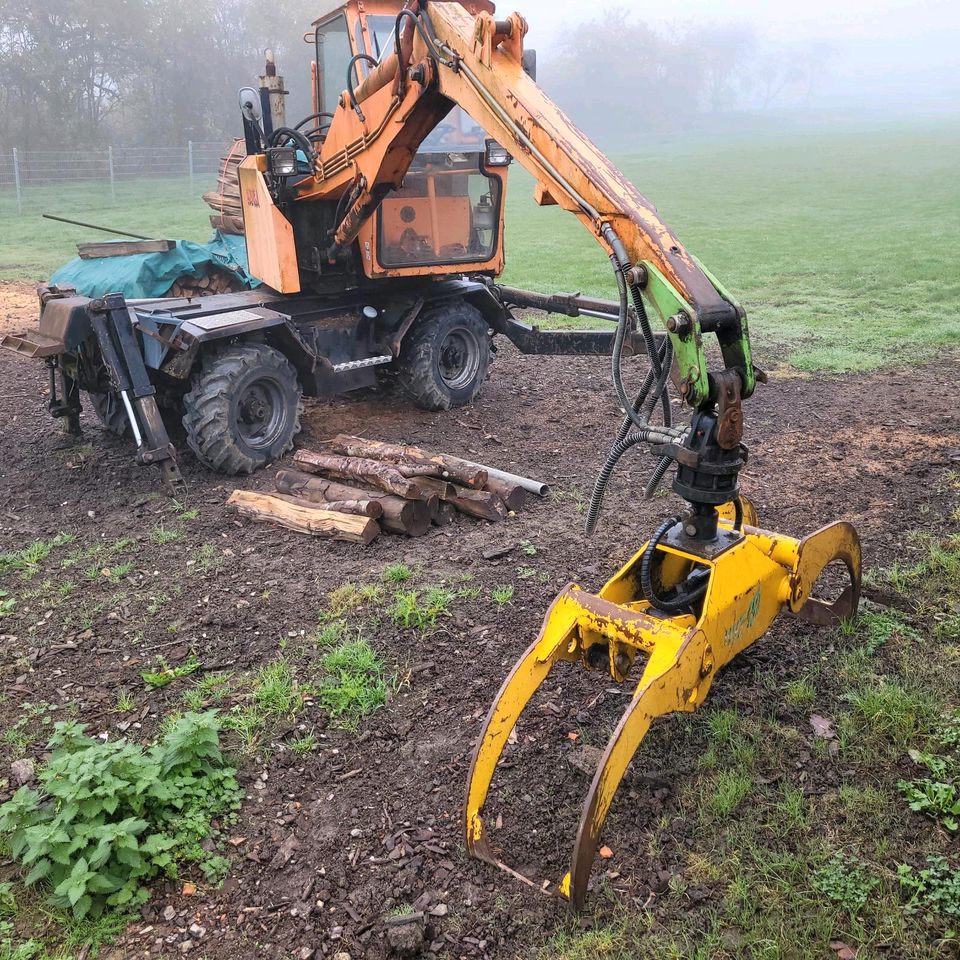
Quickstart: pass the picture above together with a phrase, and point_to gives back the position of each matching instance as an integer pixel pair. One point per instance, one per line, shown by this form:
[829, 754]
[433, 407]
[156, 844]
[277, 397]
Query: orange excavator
[376, 224]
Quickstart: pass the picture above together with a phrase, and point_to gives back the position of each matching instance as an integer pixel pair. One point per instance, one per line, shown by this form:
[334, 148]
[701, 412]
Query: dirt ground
[336, 840]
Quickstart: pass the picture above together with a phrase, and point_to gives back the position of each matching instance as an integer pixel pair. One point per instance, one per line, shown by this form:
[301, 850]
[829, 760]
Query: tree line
[76, 74]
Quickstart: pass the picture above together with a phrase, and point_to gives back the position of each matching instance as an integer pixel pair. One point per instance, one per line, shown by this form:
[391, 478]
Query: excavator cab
[447, 217]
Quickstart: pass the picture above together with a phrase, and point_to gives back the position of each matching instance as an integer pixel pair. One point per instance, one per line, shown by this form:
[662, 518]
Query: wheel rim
[459, 358]
[260, 413]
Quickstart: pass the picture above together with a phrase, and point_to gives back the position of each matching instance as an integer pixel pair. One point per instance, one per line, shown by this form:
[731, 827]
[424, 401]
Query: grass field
[842, 247]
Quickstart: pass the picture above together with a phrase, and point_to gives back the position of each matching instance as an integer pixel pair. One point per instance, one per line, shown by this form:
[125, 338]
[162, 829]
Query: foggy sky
[883, 52]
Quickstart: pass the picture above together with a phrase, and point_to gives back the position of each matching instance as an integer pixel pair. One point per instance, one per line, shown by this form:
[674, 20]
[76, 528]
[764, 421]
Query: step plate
[33, 344]
[360, 364]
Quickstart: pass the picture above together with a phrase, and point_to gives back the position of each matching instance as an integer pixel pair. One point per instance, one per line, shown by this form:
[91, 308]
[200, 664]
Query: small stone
[22, 772]
[189, 889]
[406, 939]
[169, 913]
[356, 832]
[306, 953]
[187, 946]
[197, 931]
[342, 955]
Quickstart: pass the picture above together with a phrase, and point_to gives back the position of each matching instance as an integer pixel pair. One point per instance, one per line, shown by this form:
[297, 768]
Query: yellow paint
[749, 584]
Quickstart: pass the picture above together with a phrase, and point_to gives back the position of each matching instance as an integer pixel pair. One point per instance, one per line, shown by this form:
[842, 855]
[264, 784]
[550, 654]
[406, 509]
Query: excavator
[351, 199]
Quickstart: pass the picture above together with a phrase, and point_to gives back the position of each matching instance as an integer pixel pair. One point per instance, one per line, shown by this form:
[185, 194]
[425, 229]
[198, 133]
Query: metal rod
[93, 226]
[137, 437]
[534, 486]
[16, 179]
[113, 189]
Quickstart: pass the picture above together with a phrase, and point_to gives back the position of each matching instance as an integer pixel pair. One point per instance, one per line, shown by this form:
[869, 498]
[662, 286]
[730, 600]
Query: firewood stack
[356, 487]
[215, 281]
[225, 200]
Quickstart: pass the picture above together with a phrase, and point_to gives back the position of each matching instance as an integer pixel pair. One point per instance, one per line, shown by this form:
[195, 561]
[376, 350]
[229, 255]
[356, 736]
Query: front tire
[243, 409]
[445, 357]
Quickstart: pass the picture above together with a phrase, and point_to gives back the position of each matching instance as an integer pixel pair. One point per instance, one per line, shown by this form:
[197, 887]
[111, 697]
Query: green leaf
[40, 870]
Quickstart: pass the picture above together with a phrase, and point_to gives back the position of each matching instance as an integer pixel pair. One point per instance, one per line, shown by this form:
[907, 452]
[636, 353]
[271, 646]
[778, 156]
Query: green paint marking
[746, 620]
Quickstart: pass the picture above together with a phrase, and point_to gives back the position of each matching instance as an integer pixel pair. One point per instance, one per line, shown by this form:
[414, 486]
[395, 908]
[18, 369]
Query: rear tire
[445, 357]
[243, 409]
[110, 412]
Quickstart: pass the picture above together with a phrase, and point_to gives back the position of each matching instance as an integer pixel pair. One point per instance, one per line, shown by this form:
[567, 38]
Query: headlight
[497, 156]
[282, 161]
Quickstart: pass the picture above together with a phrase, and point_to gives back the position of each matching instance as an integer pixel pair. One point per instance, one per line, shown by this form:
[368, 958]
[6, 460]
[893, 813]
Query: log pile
[225, 200]
[356, 487]
[212, 282]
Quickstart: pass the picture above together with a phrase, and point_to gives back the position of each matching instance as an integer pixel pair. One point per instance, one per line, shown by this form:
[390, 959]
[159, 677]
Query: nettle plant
[110, 817]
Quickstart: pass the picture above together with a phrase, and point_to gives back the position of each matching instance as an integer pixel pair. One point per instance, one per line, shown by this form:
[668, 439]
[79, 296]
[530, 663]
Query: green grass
[818, 237]
[420, 610]
[817, 234]
[34, 247]
[353, 683]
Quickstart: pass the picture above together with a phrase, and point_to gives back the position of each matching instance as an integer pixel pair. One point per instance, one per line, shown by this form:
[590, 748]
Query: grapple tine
[669, 674]
[556, 641]
[835, 543]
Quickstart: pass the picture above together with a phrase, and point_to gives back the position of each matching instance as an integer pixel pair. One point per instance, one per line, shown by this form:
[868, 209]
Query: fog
[168, 70]
[881, 54]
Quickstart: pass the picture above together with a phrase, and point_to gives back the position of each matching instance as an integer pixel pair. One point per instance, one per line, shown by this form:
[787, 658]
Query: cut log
[442, 488]
[512, 494]
[444, 514]
[452, 467]
[359, 508]
[318, 523]
[479, 503]
[371, 472]
[411, 517]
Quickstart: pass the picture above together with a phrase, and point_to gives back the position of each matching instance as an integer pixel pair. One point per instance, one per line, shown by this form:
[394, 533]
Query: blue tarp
[151, 274]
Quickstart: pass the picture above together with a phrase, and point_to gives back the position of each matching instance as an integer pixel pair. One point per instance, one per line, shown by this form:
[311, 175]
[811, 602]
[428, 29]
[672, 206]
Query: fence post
[190, 162]
[113, 189]
[16, 179]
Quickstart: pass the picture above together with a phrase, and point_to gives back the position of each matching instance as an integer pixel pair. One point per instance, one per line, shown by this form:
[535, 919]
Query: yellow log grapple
[750, 576]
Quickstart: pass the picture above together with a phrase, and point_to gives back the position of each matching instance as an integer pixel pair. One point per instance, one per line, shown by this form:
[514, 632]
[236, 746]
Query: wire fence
[194, 161]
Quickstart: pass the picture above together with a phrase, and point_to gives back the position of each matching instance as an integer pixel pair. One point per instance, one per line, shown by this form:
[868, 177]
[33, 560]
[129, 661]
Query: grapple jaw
[751, 576]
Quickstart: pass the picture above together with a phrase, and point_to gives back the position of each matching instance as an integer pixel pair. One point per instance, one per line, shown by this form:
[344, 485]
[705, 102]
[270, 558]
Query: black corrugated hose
[638, 412]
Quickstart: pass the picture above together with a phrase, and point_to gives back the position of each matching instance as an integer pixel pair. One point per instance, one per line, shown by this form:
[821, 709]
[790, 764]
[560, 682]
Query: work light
[282, 161]
[497, 156]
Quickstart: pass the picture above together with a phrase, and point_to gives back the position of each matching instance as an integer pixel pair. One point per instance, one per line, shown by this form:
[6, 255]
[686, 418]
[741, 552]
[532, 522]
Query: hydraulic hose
[656, 478]
[282, 134]
[684, 598]
[646, 435]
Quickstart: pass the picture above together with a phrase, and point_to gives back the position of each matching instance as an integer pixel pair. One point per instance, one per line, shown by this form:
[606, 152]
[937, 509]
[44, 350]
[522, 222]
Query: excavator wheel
[445, 356]
[110, 412]
[243, 409]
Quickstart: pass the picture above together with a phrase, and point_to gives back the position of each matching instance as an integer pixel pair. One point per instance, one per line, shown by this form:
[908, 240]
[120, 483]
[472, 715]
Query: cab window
[333, 40]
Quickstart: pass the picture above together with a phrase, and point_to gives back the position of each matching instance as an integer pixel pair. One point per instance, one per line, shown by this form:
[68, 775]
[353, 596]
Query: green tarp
[151, 274]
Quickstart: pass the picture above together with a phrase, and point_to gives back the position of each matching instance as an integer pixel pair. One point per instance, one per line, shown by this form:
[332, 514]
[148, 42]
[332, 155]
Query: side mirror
[530, 63]
[250, 104]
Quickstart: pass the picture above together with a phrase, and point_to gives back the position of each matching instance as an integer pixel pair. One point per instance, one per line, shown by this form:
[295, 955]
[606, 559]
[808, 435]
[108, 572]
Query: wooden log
[319, 523]
[512, 495]
[452, 467]
[359, 508]
[479, 503]
[442, 488]
[411, 517]
[122, 248]
[444, 514]
[371, 472]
